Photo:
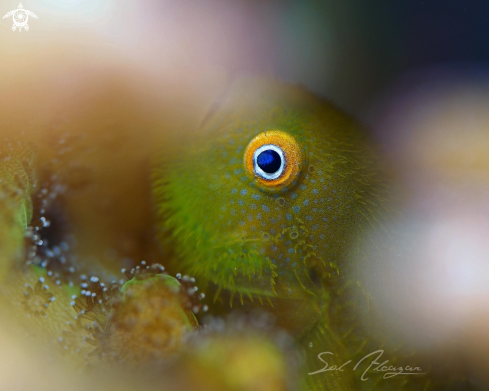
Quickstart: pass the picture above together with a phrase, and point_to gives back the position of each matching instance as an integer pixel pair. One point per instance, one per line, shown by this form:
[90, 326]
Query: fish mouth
[246, 267]
[244, 272]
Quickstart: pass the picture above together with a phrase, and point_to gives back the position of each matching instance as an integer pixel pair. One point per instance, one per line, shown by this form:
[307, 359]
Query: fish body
[254, 239]
[266, 202]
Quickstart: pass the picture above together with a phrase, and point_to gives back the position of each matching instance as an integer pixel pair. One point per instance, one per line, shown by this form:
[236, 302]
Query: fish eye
[273, 160]
[269, 161]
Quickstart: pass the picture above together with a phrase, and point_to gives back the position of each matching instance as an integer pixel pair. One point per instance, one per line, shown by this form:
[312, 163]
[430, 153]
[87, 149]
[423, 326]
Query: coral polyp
[149, 321]
[69, 306]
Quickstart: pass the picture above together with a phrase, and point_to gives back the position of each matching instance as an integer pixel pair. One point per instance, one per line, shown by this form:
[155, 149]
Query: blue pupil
[269, 161]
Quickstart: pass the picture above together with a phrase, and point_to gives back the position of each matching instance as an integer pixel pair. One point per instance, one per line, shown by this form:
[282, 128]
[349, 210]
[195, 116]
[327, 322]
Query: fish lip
[242, 268]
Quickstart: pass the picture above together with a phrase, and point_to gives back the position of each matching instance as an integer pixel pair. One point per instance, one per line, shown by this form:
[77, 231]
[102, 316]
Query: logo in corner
[20, 17]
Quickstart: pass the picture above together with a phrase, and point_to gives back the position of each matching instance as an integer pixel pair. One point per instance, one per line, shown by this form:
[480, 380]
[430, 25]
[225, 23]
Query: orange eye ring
[274, 160]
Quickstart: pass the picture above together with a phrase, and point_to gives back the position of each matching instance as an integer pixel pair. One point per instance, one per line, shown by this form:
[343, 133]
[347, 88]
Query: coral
[17, 180]
[145, 320]
[150, 320]
[37, 300]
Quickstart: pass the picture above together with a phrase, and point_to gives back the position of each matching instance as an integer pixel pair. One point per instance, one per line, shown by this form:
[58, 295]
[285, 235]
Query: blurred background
[415, 72]
[350, 51]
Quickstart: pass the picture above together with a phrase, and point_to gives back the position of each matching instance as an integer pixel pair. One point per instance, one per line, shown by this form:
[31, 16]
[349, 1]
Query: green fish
[267, 202]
